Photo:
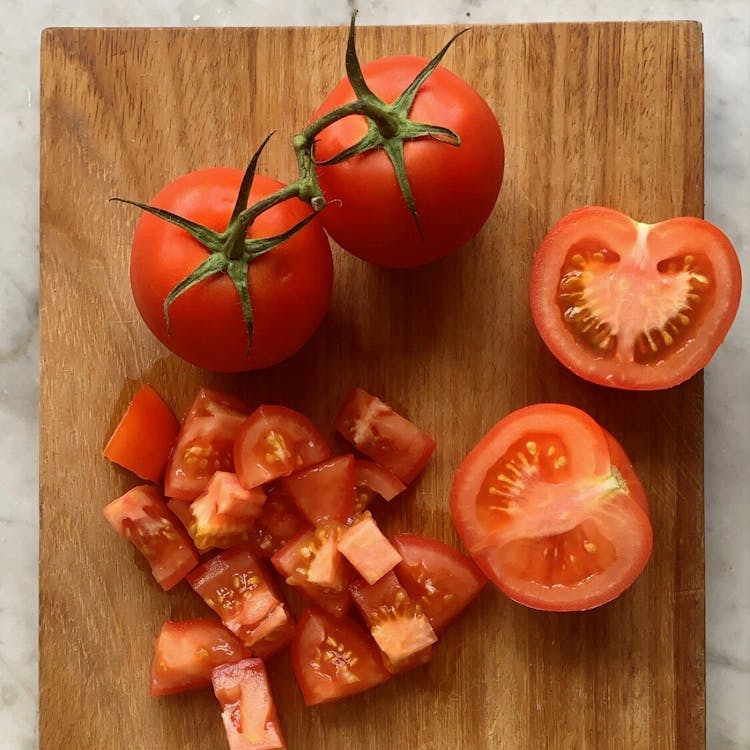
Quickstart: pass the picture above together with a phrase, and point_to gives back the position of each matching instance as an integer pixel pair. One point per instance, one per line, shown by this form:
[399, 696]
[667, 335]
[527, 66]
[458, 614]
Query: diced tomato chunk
[334, 658]
[247, 707]
[187, 652]
[376, 430]
[204, 445]
[181, 509]
[278, 522]
[145, 436]
[224, 514]
[370, 480]
[238, 588]
[397, 624]
[365, 546]
[324, 492]
[142, 517]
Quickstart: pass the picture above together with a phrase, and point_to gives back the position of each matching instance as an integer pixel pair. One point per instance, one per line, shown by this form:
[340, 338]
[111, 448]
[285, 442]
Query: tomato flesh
[438, 577]
[324, 492]
[397, 624]
[391, 440]
[238, 588]
[247, 707]
[334, 658]
[144, 438]
[633, 305]
[365, 546]
[275, 441]
[142, 517]
[278, 522]
[372, 480]
[204, 444]
[187, 652]
[547, 515]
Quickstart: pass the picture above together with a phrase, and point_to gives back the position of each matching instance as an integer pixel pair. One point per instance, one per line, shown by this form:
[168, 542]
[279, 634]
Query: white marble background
[727, 54]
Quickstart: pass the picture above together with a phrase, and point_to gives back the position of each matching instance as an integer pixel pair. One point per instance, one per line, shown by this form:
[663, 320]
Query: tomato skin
[322, 679]
[207, 327]
[639, 284]
[454, 187]
[141, 516]
[567, 496]
[144, 438]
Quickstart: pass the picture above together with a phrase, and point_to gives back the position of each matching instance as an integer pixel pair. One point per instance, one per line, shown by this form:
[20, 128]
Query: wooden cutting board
[606, 113]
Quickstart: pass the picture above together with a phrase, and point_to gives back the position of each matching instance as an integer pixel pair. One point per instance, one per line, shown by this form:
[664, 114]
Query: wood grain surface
[609, 114]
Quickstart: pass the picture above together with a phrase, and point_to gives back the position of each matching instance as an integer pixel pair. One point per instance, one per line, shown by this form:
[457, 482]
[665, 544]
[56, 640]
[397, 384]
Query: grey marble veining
[727, 56]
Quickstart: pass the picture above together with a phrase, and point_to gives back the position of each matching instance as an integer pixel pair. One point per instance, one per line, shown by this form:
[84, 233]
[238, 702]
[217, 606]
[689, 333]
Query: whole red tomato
[290, 286]
[454, 187]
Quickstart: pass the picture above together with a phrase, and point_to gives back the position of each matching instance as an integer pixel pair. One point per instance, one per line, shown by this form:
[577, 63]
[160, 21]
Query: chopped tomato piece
[371, 479]
[277, 523]
[142, 517]
[181, 509]
[365, 546]
[324, 492]
[188, 651]
[313, 565]
[274, 442]
[238, 588]
[438, 577]
[204, 445]
[247, 707]
[144, 438]
[334, 658]
[381, 434]
[548, 514]
[397, 624]
[224, 514]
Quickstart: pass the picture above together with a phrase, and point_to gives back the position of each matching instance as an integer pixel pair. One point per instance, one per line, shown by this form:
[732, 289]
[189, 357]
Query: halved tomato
[438, 577]
[374, 429]
[278, 522]
[371, 480]
[365, 546]
[312, 564]
[547, 514]
[142, 517]
[187, 652]
[223, 516]
[632, 305]
[397, 624]
[334, 658]
[247, 707]
[145, 436]
[204, 444]
[275, 441]
[239, 589]
[323, 492]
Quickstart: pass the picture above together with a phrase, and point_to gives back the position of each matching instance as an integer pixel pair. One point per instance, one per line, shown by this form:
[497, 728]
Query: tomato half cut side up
[383, 435]
[205, 443]
[546, 513]
[632, 305]
[334, 658]
[442, 580]
[145, 436]
[275, 441]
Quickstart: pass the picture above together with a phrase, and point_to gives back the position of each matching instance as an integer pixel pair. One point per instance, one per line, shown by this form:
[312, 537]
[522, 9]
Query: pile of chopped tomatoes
[246, 504]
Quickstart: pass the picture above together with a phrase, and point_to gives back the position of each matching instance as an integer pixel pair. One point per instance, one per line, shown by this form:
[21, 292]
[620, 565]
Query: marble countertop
[727, 57]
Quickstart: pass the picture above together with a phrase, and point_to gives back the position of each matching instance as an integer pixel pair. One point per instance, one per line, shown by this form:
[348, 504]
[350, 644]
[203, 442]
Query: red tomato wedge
[312, 564]
[323, 492]
[374, 429]
[334, 658]
[238, 588]
[438, 577]
[278, 522]
[204, 444]
[633, 305]
[371, 480]
[546, 513]
[142, 517]
[247, 707]
[188, 651]
[365, 546]
[144, 438]
[223, 516]
[275, 441]
[397, 624]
